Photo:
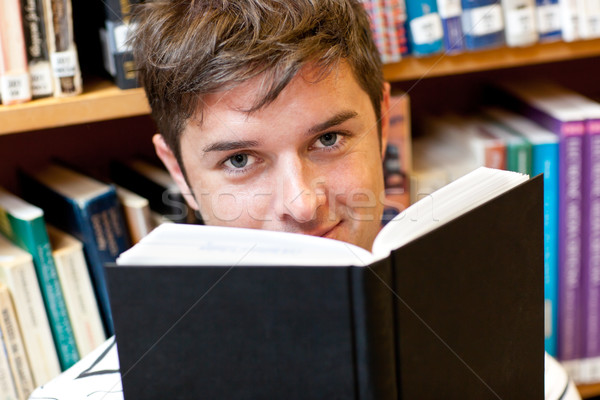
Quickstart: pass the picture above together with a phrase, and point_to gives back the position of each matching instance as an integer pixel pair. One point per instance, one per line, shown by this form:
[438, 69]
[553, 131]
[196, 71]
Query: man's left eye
[328, 139]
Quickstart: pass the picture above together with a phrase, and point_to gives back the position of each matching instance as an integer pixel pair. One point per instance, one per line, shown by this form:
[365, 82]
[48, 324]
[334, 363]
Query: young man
[272, 114]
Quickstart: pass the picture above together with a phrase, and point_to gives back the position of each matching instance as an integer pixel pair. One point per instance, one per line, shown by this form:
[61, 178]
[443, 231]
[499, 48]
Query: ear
[168, 158]
[385, 117]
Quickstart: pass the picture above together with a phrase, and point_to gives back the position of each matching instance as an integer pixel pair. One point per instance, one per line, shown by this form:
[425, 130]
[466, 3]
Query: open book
[449, 303]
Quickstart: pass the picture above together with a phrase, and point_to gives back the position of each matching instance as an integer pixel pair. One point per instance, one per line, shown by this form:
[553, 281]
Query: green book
[23, 223]
[518, 149]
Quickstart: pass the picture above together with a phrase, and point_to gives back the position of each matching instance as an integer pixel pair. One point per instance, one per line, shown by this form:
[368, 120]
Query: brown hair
[186, 49]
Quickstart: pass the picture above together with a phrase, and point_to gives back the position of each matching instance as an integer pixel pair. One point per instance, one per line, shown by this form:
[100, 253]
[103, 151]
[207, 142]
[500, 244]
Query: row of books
[425, 27]
[55, 238]
[539, 127]
[38, 56]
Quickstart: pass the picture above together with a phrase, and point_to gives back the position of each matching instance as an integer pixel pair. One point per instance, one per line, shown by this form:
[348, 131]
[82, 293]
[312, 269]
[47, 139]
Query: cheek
[358, 182]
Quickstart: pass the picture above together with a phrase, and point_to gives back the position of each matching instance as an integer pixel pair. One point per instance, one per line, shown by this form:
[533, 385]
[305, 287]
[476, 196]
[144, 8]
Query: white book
[78, 291]
[136, 210]
[570, 19]
[8, 391]
[18, 273]
[589, 14]
[520, 22]
[15, 349]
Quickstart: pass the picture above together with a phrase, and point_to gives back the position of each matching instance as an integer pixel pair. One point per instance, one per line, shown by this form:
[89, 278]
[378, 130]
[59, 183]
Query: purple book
[551, 107]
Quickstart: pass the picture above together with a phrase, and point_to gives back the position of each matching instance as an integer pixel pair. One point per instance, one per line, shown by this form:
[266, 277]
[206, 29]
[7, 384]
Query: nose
[300, 190]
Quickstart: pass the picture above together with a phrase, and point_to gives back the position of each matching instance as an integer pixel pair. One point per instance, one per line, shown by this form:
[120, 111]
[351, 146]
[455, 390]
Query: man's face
[310, 162]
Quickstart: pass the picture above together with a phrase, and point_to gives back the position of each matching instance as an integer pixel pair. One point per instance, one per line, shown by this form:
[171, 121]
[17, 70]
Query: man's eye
[328, 139]
[238, 160]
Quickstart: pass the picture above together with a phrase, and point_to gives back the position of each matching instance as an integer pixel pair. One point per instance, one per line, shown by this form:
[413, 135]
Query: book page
[444, 205]
[180, 244]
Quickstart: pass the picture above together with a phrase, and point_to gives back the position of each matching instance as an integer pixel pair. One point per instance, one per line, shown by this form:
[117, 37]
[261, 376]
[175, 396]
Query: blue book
[424, 26]
[451, 14]
[482, 23]
[87, 209]
[544, 154]
[548, 20]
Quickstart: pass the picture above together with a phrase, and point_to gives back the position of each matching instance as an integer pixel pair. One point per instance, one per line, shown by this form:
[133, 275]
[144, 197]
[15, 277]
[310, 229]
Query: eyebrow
[230, 145]
[337, 119]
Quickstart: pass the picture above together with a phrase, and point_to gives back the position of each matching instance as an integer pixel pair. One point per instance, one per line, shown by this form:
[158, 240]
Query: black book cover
[460, 315]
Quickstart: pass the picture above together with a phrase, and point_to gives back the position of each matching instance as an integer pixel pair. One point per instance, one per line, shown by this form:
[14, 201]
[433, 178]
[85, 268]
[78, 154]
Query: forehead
[309, 95]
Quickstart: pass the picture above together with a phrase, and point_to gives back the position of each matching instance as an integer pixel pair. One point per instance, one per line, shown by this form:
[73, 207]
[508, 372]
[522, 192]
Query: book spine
[590, 371]
[590, 19]
[519, 22]
[32, 236]
[14, 345]
[390, 29]
[451, 12]
[37, 48]
[548, 20]
[375, 13]
[104, 238]
[545, 160]
[63, 53]
[15, 84]
[7, 383]
[483, 24]
[425, 31]
[80, 298]
[121, 54]
[33, 321]
[374, 330]
[570, 19]
[399, 19]
[570, 241]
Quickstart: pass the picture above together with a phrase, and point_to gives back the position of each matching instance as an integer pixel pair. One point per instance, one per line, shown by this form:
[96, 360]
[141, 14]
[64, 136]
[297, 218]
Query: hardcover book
[235, 313]
[25, 225]
[87, 209]
[483, 24]
[451, 14]
[519, 22]
[548, 20]
[425, 31]
[61, 45]
[38, 58]
[18, 273]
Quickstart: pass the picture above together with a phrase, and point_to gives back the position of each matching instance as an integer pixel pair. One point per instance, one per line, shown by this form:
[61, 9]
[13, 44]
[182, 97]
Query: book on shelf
[155, 184]
[451, 14]
[15, 83]
[483, 24]
[518, 148]
[24, 224]
[13, 343]
[18, 273]
[136, 210]
[589, 14]
[117, 53]
[544, 159]
[394, 16]
[519, 22]
[548, 20]
[78, 290]
[547, 105]
[7, 383]
[375, 10]
[87, 209]
[424, 26]
[343, 322]
[38, 58]
[570, 19]
[397, 163]
[62, 48]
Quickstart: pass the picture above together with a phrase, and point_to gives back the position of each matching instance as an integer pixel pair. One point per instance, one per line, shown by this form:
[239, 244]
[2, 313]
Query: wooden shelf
[100, 101]
[414, 68]
[589, 390]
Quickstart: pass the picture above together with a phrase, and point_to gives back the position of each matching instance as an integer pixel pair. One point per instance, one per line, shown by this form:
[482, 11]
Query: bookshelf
[106, 122]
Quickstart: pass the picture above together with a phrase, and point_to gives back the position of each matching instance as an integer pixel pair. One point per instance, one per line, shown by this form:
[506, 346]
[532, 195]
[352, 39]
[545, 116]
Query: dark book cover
[459, 315]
